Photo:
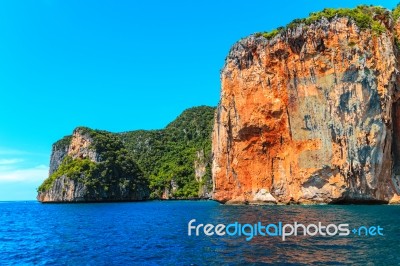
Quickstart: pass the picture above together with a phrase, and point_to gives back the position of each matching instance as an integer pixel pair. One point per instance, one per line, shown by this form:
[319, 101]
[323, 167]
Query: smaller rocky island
[100, 166]
[92, 166]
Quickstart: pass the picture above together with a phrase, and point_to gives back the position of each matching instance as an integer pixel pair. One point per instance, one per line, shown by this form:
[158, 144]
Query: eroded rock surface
[310, 116]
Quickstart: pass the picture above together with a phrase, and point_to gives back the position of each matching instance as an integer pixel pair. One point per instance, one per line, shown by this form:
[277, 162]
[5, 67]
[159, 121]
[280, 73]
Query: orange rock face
[309, 117]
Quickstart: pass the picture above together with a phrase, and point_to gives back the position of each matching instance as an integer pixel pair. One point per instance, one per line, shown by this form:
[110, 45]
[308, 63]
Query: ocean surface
[156, 233]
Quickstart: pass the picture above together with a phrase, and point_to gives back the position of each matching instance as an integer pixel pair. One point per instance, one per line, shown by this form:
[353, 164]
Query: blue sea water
[156, 233]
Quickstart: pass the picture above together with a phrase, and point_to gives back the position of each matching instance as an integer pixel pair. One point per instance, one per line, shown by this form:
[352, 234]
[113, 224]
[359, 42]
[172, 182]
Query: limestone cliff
[92, 166]
[310, 113]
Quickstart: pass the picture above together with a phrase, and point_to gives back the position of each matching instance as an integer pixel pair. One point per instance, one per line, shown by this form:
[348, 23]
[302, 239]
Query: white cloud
[19, 166]
[9, 161]
[33, 174]
[19, 153]
[7, 151]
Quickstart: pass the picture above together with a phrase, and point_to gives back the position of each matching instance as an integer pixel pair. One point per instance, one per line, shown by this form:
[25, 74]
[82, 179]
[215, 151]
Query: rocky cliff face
[310, 115]
[92, 166]
[58, 153]
[202, 164]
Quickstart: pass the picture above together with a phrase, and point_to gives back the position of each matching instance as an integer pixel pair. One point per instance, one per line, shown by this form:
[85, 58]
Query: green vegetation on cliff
[396, 12]
[63, 143]
[73, 168]
[365, 17]
[167, 157]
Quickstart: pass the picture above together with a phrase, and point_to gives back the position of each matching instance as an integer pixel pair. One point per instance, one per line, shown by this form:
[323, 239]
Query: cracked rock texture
[310, 116]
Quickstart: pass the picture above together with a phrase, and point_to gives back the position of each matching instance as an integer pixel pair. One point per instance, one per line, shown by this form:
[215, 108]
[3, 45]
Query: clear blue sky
[114, 65]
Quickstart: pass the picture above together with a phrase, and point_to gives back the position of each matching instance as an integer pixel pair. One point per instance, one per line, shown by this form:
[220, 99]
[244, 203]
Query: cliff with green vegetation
[310, 112]
[172, 163]
[177, 159]
[365, 17]
[92, 165]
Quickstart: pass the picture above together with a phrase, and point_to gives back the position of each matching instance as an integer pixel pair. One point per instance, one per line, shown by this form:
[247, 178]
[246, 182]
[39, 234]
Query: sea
[157, 233]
